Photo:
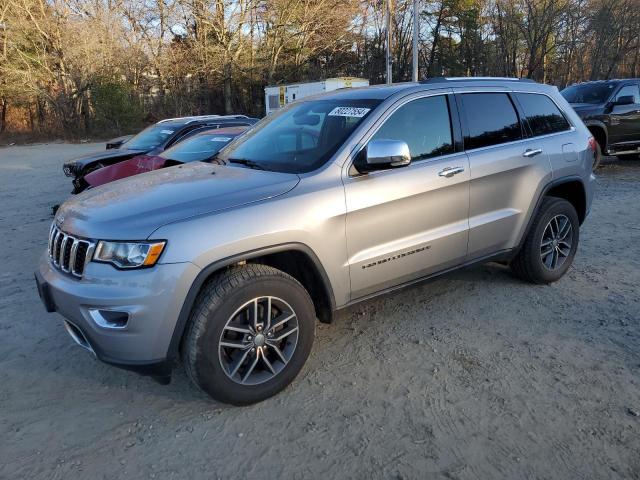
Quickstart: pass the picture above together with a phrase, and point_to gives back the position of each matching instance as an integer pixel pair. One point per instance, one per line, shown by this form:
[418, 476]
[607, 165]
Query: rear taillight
[593, 146]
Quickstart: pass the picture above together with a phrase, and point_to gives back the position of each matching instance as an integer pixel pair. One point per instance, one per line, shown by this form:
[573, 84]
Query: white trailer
[278, 96]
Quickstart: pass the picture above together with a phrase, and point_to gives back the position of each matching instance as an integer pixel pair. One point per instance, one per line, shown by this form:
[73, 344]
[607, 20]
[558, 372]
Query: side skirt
[501, 256]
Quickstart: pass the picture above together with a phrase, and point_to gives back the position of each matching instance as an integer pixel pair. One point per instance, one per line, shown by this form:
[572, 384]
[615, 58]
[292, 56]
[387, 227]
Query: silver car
[334, 199]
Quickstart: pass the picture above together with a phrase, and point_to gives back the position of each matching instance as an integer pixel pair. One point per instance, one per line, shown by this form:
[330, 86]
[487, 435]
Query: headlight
[68, 169]
[129, 254]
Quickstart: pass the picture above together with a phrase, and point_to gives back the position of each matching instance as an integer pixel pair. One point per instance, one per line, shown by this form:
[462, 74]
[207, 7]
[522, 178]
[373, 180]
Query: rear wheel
[250, 333]
[551, 243]
[597, 161]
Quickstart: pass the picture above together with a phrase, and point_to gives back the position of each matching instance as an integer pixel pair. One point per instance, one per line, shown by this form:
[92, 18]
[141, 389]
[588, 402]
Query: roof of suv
[612, 80]
[382, 92]
[203, 119]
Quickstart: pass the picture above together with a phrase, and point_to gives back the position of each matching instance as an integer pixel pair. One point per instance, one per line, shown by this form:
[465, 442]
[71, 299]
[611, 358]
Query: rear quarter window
[491, 120]
[543, 116]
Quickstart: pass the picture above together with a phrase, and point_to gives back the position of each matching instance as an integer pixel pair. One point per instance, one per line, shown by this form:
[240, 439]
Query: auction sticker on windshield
[220, 139]
[357, 112]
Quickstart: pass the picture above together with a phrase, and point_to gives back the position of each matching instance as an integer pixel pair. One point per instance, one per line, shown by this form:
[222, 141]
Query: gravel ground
[473, 375]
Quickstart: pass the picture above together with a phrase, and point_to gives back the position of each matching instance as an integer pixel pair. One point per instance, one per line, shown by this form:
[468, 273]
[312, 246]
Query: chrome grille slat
[72, 258]
[68, 245]
[89, 254]
[56, 247]
[63, 245]
[52, 240]
[52, 231]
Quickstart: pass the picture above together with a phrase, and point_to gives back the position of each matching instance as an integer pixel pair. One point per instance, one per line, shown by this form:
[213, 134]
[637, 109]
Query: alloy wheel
[258, 340]
[556, 243]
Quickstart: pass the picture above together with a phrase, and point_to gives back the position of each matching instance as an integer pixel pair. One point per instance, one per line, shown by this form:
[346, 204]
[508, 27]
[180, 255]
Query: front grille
[68, 253]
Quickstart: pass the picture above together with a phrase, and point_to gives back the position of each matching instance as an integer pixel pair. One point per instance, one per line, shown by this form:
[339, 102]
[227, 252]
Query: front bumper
[151, 298]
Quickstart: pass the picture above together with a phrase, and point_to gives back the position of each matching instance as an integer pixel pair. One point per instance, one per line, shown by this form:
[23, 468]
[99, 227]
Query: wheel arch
[573, 191]
[600, 133]
[296, 259]
[568, 188]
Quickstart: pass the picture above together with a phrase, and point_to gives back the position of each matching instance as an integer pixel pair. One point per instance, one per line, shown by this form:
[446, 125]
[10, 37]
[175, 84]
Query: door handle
[450, 171]
[532, 153]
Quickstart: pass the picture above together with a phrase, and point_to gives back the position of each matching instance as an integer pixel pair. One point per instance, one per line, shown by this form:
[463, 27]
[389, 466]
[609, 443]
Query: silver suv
[331, 201]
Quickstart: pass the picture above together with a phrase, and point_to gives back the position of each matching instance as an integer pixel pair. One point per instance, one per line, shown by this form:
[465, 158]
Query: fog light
[109, 318]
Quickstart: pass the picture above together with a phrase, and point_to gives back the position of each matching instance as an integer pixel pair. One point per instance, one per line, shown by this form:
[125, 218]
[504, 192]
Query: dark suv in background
[611, 111]
[152, 140]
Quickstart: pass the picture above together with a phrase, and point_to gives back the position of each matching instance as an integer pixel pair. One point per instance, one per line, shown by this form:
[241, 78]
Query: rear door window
[491, 120]
[543, 116]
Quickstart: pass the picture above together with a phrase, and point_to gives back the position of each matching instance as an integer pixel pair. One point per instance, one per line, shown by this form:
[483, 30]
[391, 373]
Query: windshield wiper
[246, 163]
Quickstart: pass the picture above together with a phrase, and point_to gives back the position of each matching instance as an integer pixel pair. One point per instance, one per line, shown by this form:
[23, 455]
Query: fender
[545, 190]
[206, 272]
[600, 124]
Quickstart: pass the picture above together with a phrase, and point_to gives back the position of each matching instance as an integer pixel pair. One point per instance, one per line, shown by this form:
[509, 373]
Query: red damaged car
[201, 147]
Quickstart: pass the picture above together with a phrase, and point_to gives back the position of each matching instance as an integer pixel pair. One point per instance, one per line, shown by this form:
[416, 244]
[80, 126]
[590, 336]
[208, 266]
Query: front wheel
[551, 243]
[250, 333]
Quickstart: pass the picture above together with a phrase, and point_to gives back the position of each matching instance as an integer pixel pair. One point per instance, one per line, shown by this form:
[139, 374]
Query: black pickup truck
[611, 111]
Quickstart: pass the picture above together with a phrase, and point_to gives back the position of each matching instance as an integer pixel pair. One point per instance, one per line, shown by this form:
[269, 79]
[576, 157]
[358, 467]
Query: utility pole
[388, 42]
[416, 27]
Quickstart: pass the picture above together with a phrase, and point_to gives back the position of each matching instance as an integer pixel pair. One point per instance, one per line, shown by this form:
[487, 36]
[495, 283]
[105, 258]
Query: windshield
[593, 93]
[198, 148]
[150, 137]
[300, 138]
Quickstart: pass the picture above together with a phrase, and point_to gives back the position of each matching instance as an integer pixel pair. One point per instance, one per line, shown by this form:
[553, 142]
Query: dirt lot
[473, 375]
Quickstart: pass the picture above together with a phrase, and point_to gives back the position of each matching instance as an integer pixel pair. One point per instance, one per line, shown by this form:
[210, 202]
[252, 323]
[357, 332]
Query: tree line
[82, 67]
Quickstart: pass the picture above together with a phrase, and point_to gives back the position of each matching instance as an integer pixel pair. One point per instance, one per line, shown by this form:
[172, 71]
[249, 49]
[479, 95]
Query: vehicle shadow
[611, 161]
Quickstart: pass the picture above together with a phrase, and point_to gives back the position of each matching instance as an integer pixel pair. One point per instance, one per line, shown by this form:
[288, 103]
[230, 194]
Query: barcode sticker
[356, 112]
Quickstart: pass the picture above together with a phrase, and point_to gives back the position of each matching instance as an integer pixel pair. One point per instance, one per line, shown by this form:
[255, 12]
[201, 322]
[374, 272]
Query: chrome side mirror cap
[385, 153]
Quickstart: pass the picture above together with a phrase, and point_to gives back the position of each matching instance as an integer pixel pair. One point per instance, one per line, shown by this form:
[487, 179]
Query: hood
[587, 107]
[124, 169]
[110, 154]
[132, 208]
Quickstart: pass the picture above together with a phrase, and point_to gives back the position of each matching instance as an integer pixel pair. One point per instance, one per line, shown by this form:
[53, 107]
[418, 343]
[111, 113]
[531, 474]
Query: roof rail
[189, 118]
[196, 118]
[482, 79]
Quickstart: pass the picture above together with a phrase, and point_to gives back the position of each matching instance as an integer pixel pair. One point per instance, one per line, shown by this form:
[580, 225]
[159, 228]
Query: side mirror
[625, 100]
[118, 142]
[383, 154]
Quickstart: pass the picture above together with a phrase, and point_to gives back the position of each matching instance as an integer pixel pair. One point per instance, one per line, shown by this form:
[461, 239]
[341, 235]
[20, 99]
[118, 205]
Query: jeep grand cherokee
[331, 201]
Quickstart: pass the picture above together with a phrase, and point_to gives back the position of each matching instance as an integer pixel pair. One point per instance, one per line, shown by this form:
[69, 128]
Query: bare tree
[67, 65]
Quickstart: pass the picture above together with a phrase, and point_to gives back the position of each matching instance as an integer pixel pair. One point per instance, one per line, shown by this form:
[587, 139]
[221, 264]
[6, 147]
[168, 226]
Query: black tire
[92, 168]
[217, 304]
[597, 161]
[79, 183]
[528, 263]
